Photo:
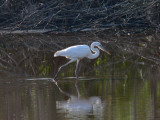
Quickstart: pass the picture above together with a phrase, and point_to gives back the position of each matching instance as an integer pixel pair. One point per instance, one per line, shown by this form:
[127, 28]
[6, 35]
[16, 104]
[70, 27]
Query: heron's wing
[78, 51]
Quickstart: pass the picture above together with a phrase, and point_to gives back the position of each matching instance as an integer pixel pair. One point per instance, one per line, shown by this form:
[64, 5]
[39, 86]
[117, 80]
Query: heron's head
[98, 45]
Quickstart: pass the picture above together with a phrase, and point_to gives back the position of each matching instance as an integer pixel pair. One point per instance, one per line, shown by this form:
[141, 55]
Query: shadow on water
[122, 86]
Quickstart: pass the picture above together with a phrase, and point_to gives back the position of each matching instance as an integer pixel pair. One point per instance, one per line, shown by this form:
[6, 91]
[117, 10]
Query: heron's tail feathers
[57, 53]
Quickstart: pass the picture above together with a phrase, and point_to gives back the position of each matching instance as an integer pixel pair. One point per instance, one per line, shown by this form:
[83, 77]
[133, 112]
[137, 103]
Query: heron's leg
[60, 68]
[76, 71]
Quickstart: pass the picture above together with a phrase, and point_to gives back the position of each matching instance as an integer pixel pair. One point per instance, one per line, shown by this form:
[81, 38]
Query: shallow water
[112, 96]
[123, 86]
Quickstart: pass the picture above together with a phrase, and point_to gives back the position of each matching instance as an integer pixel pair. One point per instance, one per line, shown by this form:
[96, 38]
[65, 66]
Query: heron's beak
[103, 49]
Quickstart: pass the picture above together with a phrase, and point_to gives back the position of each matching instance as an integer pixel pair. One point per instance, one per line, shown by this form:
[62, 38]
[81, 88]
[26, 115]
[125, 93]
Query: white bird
[78, 52]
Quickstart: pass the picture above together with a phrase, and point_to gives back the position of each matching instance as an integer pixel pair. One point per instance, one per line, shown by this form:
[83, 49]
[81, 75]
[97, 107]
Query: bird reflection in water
[78, 105]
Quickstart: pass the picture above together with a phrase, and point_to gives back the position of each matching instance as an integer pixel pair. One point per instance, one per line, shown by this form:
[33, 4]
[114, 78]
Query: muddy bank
[116, 41]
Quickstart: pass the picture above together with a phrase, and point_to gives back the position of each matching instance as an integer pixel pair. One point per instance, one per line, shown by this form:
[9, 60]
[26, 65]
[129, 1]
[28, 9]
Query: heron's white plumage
[78, 51]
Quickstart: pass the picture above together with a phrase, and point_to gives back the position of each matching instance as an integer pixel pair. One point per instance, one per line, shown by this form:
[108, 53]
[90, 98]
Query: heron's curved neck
[95, 54]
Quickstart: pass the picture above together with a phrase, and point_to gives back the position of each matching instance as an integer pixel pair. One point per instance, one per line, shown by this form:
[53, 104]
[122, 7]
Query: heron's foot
[77, 78]
[53, 80]
[77, 81]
